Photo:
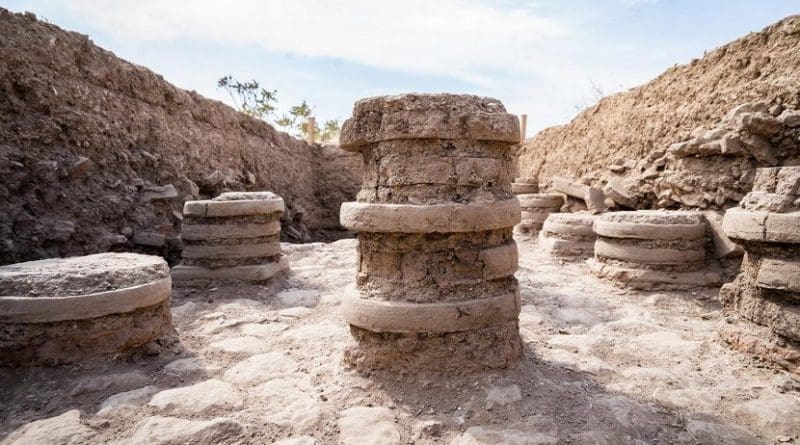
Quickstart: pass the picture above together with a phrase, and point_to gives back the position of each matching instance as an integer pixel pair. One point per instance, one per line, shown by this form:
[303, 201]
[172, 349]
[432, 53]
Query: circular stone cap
[428, 116]
[651, 224]
[81, 287]
[235, 204]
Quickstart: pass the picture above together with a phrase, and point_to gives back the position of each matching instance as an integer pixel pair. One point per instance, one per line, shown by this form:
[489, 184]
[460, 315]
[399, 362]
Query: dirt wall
[97, 153]
[684, 102]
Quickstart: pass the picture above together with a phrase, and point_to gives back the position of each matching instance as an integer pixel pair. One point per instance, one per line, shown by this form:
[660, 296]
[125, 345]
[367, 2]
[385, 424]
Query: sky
[544, 58]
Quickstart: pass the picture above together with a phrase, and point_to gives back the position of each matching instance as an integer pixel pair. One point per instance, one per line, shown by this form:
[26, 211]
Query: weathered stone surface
[260, 368]
[373, 425]
[210, 395]
[724, 247]
[646, 249]
[41, 301]
[123, 403]
[247, 344]
[65, 429]
[481, 435]
[568, 235]
[256, 273]
[779, 275]
[519, 189]
[434, 217]
[212, 208]
[541, 200]
[445, 218]
[158, 430]
[289, 402]
[226, 231]
[428, 116]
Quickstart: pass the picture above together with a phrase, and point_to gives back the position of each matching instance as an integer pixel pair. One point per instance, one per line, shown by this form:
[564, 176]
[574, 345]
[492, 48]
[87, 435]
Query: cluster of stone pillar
[765, 296]
[568, 235]
[646, 249]
[436, 254]
[535, 208]
[235, 236]
[65, 310]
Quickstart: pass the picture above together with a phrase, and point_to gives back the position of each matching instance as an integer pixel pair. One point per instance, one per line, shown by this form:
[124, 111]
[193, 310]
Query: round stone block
[762, 226]
[235, 204]
[444, 218]
[229, 230]
[568, 235]
[253, 273]
[651, 225]
[66, 309]
[428, 116]
[646, 279]
[517, 188]
[541, 200]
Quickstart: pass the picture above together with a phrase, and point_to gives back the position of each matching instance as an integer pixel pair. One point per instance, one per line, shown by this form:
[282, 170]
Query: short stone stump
[66, 310]
[762, 305]
[535, 208]
[235, 236]
[568, 235]
[648, 249]
[435, 289]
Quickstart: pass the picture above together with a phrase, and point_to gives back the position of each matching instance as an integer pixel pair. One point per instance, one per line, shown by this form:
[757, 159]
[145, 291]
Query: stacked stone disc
[525, 186]
[568, 235]
[765, 296]
[435, 283]
[235, 236]
[652, 249]
[536, 207]
[70, 309]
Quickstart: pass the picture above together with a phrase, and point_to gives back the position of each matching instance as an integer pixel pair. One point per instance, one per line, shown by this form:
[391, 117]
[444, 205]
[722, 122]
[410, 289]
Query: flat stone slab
[578, 224]
[208, 396]
[79, 288]
[254, 274]
[652, 225]
[647, 255]
[229, 231]
[214, 208]
[779, 275]
[403, 317]
[234, 251]
[428, 116]
[368, 425]
[647, 278]
[762, 226]
[441, 218]
[541, 200]
[158, 430]
[517, 188]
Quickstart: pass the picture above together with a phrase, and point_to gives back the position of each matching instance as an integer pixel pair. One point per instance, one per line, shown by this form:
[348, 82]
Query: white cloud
[459, 38]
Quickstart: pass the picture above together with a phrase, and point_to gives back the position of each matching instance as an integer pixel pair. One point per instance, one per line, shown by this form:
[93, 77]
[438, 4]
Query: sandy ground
[261, 364]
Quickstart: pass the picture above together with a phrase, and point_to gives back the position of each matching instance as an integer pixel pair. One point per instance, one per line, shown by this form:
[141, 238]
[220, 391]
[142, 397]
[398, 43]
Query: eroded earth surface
[263, 364]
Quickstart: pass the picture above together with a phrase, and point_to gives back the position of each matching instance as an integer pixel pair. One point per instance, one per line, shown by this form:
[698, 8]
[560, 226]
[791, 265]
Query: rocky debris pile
[653, 249]
[525, 185]
[714, 168]
[235, 236]
[592, 198]
[98, 154]
[568, 235]
[763, 302]
[635, 128]
[535, 209]
[66, 310]
[435, 284]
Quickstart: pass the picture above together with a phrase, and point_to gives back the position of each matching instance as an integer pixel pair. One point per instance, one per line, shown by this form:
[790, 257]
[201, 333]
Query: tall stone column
[435, 284]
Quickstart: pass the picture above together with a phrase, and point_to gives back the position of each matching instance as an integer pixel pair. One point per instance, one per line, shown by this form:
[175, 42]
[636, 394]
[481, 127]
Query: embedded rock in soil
[434, 221]
[66, 310]
[208, 396]
[158, 430]
[373, 425]
[65, 429]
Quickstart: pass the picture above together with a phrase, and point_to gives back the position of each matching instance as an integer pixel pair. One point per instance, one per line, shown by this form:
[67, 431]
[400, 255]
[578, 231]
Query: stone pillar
[648, 249]
[235, 236]
[535, 209]
[65, 310]
[568, 235]
[436, 263]
[762, 304]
